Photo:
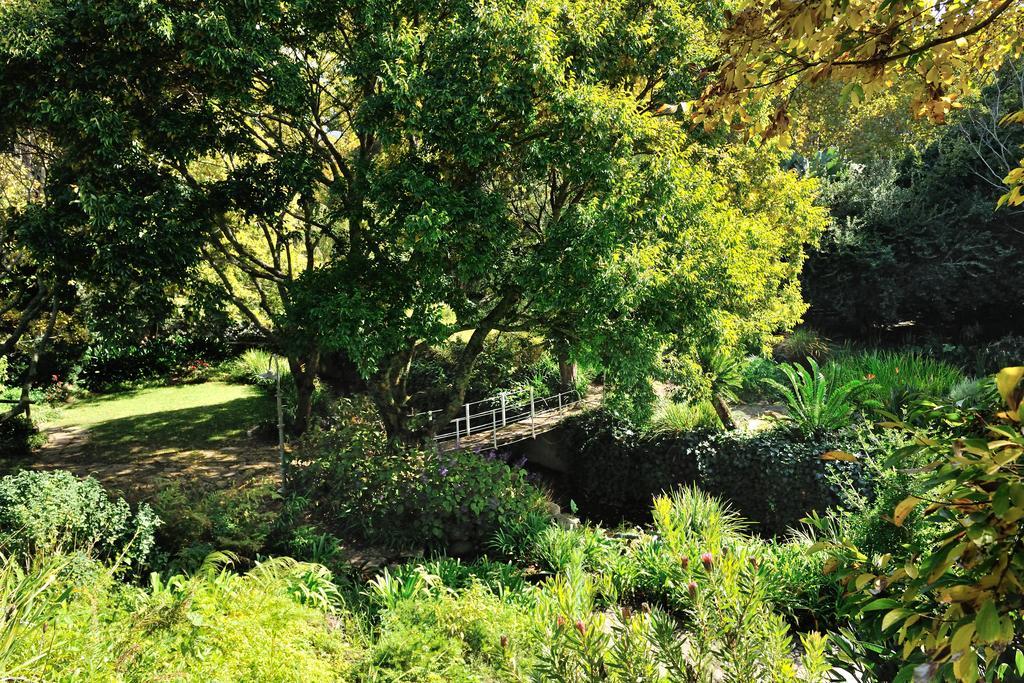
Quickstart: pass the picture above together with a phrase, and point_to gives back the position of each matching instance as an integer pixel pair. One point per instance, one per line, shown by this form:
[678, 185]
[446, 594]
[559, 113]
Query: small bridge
[508, 418]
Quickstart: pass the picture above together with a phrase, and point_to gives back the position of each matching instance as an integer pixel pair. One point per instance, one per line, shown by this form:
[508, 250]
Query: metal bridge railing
[508, 407]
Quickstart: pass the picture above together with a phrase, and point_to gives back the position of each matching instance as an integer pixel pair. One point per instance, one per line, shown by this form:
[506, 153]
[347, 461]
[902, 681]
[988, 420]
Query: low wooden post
[533, 411]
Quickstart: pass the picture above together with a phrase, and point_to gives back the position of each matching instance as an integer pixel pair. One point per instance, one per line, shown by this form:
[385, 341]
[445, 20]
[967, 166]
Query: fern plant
[815, 403]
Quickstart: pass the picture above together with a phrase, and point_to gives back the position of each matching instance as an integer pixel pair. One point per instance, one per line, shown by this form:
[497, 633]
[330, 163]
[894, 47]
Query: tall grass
[270, 624]
[252, 366]
[684, 417]
[889, 372]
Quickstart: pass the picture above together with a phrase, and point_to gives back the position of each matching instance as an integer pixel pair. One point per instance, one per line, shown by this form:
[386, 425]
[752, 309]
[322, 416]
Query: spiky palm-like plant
[815, 403]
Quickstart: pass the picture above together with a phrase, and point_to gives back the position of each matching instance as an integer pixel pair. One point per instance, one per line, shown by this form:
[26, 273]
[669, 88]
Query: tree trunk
[567, 373]
[724, 414]
[338, 371]
[304, 376]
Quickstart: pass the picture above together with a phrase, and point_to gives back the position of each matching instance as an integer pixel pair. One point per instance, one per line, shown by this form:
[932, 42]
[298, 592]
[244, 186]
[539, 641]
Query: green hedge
[769, 477]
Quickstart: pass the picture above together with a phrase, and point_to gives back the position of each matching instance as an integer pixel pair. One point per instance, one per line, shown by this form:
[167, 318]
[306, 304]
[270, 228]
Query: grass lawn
[133, 441]
[161, 419]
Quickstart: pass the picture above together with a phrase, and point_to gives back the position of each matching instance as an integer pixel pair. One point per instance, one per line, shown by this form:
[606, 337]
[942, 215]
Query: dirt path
[756, 416]
[136, 473]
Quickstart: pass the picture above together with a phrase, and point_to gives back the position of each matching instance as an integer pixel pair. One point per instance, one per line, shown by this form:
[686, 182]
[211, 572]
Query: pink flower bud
[504, 642]
[581, 627]
[692, 589]
[685, 562]
[560, 621]
[707, 560]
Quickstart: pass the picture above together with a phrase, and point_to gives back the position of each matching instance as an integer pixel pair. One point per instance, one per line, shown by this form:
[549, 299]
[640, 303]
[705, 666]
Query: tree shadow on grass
[198, 428]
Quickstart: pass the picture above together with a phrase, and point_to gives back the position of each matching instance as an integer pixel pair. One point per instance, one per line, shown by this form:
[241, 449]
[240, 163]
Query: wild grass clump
[800, 344]
[886, 373]
[252, 366]
[672, 416]
[271, 624]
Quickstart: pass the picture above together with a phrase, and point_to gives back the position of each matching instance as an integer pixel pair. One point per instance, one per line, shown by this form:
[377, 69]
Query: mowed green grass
[174, 418]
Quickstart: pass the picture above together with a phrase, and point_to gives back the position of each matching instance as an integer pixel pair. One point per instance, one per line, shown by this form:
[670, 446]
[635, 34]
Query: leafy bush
[697, 563]
[198, 520]
[755, 372]
[399, 495]
[40, 511]
[771, 478]
[816, 404]
[951, 607]
[975, 395]
[109, 364]
[615, 467]
[19, 436]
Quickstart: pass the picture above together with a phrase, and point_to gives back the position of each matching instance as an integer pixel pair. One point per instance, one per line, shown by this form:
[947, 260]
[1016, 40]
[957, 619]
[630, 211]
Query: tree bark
[567, 372]
[724, 414]
[304, 376]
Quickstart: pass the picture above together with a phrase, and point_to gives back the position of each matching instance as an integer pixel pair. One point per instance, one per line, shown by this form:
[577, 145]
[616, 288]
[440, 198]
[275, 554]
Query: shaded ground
[129, 441]
[757, 416]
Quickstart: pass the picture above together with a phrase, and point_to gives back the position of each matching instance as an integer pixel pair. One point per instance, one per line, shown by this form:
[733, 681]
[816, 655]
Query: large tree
[936, 51]
[376, 177]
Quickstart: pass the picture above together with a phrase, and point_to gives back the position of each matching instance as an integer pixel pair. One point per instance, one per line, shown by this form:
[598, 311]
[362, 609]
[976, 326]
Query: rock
[567, 521]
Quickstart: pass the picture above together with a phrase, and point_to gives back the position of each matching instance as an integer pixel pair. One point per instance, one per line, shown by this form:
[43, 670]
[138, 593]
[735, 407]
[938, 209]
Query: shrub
[755, 372]
[950, 607]
[109, 364]
[772, 478]
[697, 564]
[975, 395]
[615, 467]
[429, 632]
[400, 495]
[40, 511]
[816, 404]
[19, 436]
[198, 520]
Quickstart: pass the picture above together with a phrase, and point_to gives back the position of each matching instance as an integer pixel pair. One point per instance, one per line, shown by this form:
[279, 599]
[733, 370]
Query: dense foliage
[47, 511]
[359, 483]
[770, 477]
[950, 608]
[511, 175]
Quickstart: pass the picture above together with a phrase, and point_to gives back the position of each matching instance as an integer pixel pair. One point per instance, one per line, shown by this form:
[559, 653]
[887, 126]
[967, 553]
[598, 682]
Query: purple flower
[520, 462]
[443, 471]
